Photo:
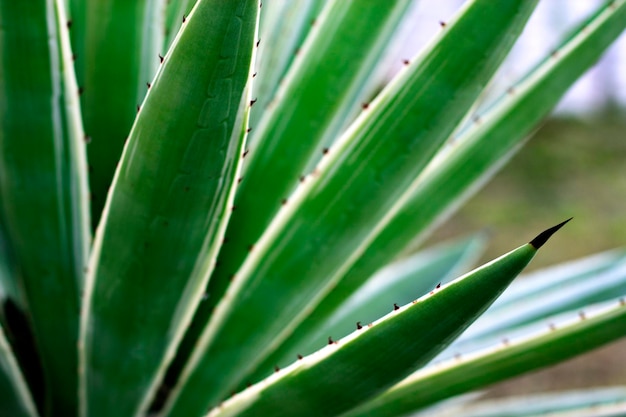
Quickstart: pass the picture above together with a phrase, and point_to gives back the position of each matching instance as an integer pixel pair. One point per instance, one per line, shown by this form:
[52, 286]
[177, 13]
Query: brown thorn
[252, 102]
[406, 61]
[161, 58]
[442, 23]
[358, 325]
[283, 201]
[365, 106]
[276, 368]
[330, 340]
[395, 306]
[69, 24]
[325, 151]
[299, 356]
[184, 18]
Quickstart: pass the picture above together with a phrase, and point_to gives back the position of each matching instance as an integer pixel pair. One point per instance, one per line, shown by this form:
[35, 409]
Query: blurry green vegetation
[572, 167]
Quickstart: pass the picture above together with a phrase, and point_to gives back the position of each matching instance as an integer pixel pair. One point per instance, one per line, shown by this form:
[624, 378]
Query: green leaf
[175, 12]
[510, 358]
[578, 270]
[283, 27]
[340, 376]
[43, 188]
[76, 20]
[588, 283]
[320, 90]
[331, 217]
[168, 207]
[15, 399]
[398, 283]
[470, 159]
[336, 60]
[122, 42]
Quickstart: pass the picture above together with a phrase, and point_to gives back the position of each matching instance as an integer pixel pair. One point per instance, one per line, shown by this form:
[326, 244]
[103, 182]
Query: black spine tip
[543, 237]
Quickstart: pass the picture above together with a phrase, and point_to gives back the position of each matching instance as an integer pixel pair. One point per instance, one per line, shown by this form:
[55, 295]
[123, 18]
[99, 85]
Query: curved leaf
[330, 219]
[43, 185]
[338, 377]
[15, 399]
[510, 358]
[168, 207]
[397, 283]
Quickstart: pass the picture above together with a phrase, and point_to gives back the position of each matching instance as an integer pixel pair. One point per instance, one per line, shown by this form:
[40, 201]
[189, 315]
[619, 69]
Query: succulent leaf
[336, 59]
[207, 270]
[399, 283]
[340, 208]
[167, 210]
[15, 398]
[122, 42]
[43, 185]
[338, 377]
[472, 157]
[480, 369]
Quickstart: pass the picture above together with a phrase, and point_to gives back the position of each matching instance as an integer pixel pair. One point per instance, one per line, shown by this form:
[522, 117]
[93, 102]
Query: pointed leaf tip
[546, 234]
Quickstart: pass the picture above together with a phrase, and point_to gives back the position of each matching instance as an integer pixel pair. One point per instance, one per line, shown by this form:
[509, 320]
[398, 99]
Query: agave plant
[251, 231]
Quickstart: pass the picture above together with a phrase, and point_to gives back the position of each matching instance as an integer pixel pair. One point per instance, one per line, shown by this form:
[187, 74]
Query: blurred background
[575, 165]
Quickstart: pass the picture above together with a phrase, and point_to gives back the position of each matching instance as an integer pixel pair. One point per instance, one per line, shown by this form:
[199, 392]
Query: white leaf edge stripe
[563, 323]
[9, 366]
